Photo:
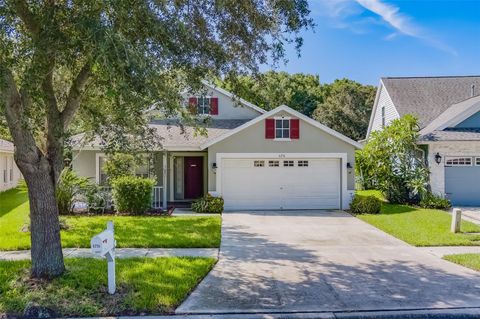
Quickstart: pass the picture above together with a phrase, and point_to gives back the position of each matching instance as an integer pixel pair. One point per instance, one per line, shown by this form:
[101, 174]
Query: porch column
[165, 179]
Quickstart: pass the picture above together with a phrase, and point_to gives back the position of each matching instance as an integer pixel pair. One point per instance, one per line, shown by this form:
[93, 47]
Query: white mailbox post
[103, 245]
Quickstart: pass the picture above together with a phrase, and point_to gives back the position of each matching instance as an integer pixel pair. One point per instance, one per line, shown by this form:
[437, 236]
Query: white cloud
[347, 14]
[392, 16]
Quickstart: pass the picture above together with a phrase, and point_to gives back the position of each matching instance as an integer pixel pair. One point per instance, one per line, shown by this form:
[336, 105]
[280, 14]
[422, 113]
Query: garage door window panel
[458, 161]
[302, 163]
[259, 163]
[288, 163]
[273, 163]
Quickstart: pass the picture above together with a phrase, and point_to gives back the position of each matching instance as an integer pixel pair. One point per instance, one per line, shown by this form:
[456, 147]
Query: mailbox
[102, 243]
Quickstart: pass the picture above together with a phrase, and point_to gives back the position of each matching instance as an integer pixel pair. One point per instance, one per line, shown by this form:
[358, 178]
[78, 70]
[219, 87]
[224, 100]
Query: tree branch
[27, 151]
[75, 95]
[21, 7]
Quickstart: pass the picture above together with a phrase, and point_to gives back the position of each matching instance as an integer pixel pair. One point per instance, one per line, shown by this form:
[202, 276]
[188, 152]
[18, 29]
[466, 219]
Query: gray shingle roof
[452, 135]
[428, 97]
[172, 135]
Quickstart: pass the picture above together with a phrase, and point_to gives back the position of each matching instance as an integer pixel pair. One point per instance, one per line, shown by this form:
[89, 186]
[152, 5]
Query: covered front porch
[181, 176]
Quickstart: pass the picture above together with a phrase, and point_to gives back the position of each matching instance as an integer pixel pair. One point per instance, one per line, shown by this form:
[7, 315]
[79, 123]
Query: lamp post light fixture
[438, 158]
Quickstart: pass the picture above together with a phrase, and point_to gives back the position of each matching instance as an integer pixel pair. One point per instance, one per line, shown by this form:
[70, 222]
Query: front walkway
[122, 253]
[310, 261]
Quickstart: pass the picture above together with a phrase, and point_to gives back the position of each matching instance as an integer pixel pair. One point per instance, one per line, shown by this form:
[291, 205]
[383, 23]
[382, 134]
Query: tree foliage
[268, 90]
[392, 161]
[101, 64]
[343, 105]
[347, 107]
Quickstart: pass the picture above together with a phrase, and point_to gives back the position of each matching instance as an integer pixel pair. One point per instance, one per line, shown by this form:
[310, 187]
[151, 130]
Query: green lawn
[467, 260]
[421, 227]
[131, 231]
[144, 286]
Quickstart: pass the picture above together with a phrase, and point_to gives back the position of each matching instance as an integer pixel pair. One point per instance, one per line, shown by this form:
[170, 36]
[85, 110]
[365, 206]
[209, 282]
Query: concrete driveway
[324, 261]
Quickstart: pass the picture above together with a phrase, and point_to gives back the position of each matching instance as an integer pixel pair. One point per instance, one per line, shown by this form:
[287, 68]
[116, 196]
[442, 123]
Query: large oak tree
[103, 63]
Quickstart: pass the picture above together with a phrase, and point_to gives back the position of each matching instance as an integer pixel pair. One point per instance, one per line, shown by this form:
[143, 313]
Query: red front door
[193, 175]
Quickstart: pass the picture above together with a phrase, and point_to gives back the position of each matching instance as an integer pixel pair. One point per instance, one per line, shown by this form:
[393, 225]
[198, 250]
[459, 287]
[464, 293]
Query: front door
[193, 175]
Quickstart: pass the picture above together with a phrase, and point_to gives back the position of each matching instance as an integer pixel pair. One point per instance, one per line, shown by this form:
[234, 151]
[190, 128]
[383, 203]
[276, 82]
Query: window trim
[447, 158]
[282, 139]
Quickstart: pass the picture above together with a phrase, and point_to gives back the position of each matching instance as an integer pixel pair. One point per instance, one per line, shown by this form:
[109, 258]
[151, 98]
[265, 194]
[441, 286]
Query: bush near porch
[419, 226]
[144, 286]
[131, 231]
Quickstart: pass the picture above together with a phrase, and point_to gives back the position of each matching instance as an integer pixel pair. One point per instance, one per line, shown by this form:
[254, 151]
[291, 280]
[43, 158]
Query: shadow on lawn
[255, 273]
[12, 198]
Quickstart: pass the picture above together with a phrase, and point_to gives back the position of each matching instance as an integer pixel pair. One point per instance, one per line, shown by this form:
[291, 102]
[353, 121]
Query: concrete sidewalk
[122, 253]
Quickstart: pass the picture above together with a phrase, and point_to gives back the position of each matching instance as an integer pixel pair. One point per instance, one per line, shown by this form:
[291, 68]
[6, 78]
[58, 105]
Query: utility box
[456, 220]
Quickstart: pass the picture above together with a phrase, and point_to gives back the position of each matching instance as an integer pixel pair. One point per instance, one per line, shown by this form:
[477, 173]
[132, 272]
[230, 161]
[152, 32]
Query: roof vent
[473, 90]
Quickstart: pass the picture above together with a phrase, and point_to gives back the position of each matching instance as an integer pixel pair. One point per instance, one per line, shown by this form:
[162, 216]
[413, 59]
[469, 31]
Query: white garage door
[281, 183]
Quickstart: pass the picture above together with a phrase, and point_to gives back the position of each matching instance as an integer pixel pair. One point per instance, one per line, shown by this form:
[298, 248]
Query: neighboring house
[448, 112]
[254, 159]
[10, 174]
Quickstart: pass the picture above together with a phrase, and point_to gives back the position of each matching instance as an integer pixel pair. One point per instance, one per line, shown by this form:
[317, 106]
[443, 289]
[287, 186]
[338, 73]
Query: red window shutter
[270, 128]
[214, 106]
[192, 104]
[295, 129]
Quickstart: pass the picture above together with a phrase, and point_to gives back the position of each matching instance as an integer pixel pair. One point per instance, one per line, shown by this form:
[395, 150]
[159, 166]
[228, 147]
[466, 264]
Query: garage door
[281, 183]
[462, 181]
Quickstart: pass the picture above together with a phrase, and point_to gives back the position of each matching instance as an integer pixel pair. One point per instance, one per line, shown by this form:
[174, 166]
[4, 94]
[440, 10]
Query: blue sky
[366, 39]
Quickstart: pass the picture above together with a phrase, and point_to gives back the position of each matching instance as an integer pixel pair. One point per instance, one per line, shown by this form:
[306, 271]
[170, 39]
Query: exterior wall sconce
[349, 165]
[438, 158]
[214, 168]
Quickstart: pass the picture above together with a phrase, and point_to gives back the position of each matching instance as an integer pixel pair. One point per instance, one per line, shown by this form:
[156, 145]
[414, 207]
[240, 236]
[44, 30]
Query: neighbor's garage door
[281, 183]
[462, 180]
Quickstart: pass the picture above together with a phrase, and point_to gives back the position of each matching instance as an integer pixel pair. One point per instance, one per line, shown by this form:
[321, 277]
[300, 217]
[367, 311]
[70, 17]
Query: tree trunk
[46, 251]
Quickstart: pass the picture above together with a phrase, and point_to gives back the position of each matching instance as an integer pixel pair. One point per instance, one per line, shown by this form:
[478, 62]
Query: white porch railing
[157, 195]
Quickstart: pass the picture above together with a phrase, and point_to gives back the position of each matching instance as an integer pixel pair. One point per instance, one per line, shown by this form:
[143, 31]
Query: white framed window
[302, 163]
[258, 163]
[458, 161]
[11, 169]
[282, 128]
[5, 171]
[203, 105]
[288, 163]
[273, 163]
[383, 116]
[477, 161]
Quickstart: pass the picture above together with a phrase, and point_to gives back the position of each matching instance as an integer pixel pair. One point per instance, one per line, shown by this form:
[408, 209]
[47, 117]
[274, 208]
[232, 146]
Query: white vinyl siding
[384, 102]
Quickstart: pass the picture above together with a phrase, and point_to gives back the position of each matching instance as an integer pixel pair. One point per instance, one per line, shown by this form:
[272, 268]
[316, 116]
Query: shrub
[69, 186]
[132, 194]
[97, 198]
[431, 200]
[392, 161]
[208, 205]
[365, 205]
[118, 165]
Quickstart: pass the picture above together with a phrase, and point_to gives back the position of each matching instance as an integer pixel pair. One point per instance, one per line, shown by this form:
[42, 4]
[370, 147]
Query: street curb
[448, 313]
